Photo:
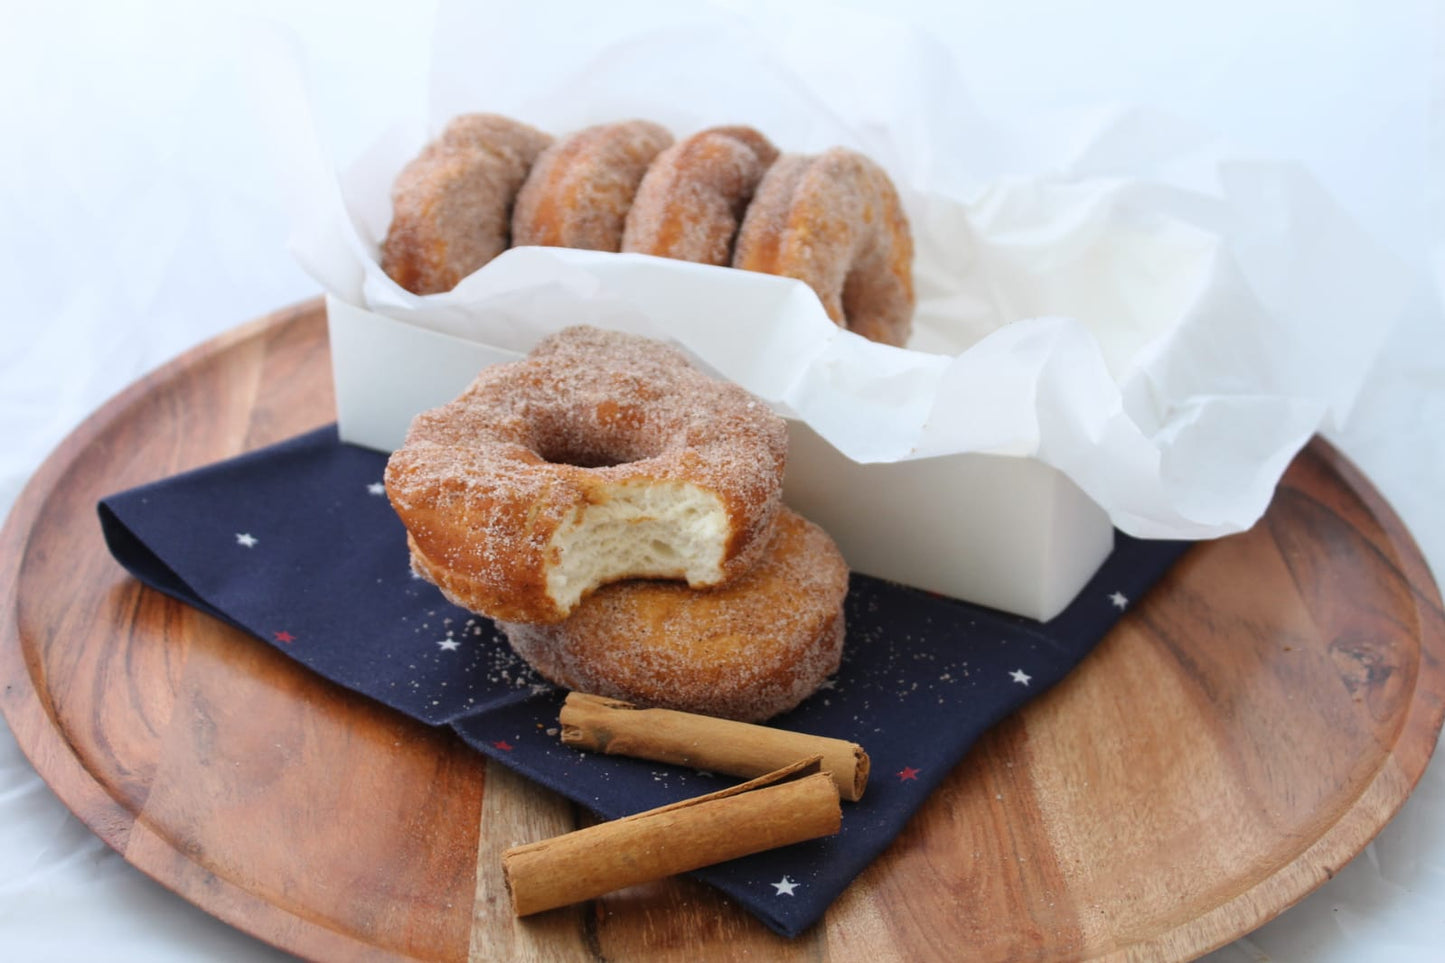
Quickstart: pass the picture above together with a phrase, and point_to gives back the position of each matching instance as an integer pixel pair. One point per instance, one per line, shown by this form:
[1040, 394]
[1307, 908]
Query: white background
[138, 217]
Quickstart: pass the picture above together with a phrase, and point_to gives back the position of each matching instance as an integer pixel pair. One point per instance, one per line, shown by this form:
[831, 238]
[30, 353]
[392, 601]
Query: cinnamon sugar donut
[749, 650]
[600, 456]
[693, 197]
[835, 222]
[579, 190]
[452, 205]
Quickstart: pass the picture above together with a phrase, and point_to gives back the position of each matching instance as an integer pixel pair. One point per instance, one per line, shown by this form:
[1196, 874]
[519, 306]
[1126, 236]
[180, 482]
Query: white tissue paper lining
[1114, 302]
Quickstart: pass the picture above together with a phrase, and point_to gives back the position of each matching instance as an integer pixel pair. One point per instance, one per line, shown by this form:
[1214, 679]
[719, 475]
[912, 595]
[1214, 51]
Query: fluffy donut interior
[640, 530]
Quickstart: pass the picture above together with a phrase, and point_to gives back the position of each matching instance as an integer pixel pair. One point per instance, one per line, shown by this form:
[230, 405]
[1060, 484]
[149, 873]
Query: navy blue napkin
[298, 545]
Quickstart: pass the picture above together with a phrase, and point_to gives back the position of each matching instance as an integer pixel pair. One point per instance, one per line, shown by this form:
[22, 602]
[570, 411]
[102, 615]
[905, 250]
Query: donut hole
[871, 295]
[580, 456]
[670, 530]
[600, 436]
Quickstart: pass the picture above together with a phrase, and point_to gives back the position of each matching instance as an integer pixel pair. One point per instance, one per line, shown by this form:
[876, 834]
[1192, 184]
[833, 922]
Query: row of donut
[724, 196]
[618, 514]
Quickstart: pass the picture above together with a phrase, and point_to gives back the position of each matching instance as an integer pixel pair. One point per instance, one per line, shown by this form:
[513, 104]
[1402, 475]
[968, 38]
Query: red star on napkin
[907, 773]
[283, 636]
[503, 745]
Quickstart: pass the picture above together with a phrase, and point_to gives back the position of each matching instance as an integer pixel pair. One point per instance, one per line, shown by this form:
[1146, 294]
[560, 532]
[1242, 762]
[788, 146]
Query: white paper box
[386, 372]
[1121, 321]
[1010, 533]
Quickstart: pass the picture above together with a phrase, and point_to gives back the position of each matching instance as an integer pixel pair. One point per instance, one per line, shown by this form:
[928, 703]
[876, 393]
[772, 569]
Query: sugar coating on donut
[836, 223]
[693, 197]
[600, 456]
[580, 189]
[452, 205]
[748, 650]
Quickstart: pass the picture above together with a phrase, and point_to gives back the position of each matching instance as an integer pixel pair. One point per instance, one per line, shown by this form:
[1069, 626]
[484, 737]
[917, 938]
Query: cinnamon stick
[702, 742]
[788, 806]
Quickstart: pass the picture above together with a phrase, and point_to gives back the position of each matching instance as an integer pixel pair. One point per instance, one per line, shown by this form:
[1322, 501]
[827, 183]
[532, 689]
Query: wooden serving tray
[1244, 731]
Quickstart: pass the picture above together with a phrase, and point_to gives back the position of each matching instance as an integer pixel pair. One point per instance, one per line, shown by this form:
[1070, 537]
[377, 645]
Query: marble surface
[139, 216]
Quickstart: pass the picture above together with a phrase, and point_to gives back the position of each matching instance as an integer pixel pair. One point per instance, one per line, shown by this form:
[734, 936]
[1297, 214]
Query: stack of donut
[617, 512]
[723, 196]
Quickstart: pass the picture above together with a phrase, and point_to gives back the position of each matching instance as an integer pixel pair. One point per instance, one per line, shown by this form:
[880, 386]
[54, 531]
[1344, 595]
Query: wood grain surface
[1244, 731]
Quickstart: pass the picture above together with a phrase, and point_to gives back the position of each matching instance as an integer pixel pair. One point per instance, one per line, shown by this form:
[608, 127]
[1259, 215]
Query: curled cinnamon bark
[703, 742]
[788, 806]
